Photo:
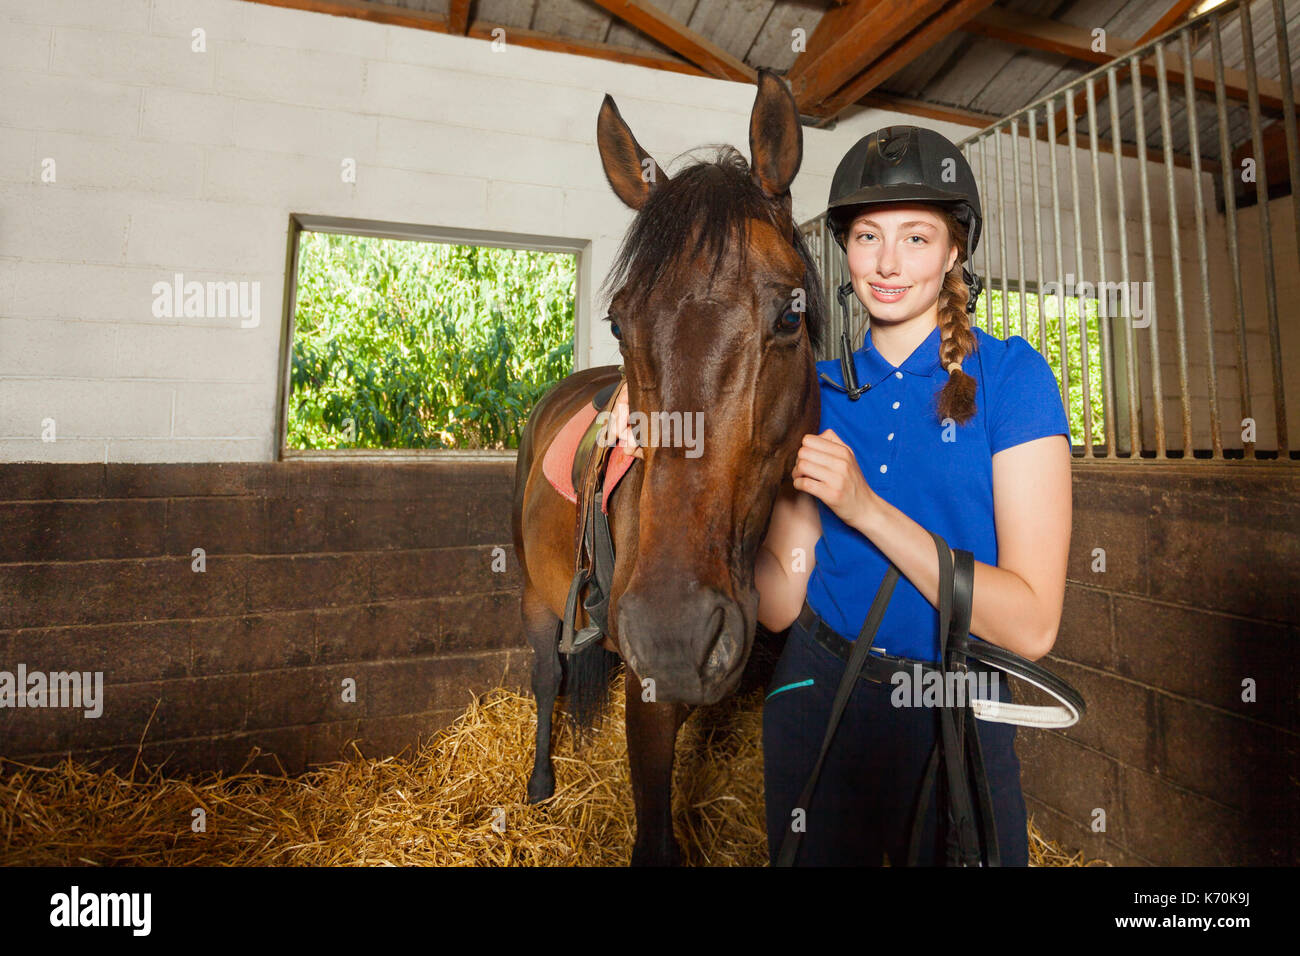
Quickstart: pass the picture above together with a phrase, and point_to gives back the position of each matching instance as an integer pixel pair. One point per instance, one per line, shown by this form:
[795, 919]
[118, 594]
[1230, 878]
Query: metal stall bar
[1002, 236]
[970, 259]
[1103, 290]
[1230, 218]
[1085, 365]
[1157, 391]
[1135, 431]
[1198, 197]
[1288, 112]
[1175, 245]
[988, 267]
[1265, 228]
[1060, 261]
[1020, 225]
[1038, 235]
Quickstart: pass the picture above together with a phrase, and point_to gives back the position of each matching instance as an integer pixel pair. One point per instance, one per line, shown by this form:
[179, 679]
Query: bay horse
[718, 310]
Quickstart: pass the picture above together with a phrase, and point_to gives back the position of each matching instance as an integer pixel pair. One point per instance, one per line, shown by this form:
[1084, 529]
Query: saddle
[593, 472]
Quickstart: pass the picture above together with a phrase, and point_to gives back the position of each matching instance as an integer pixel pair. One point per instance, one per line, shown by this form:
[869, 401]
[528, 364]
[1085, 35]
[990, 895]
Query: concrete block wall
[169, 158]
[1198, 596]
[315, 573]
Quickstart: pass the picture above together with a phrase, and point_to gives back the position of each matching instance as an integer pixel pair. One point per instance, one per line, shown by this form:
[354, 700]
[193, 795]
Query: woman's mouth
[887, 293]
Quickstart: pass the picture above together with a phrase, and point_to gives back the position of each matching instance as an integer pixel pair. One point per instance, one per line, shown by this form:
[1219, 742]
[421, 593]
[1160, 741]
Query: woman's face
[898, 255]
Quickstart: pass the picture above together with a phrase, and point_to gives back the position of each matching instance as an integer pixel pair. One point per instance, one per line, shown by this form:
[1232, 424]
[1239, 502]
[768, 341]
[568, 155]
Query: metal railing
[1108, 338]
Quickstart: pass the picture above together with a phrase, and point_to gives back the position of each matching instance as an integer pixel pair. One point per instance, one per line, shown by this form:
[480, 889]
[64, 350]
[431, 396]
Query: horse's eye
[790, 317]
[613, 326]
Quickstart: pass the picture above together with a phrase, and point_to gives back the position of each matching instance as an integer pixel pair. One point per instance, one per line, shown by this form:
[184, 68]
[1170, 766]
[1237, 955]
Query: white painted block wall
[169, 160]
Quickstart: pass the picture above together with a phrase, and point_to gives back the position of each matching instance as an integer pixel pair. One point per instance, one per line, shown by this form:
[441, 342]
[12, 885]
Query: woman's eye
[922, 238]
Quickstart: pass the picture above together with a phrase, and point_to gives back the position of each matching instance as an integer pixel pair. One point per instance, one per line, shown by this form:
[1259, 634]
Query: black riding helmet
[903, 164]
[907, 164]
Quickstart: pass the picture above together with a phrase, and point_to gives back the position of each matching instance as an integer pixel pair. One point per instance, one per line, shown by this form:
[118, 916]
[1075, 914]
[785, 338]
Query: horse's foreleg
[543, 630]
[651, 736]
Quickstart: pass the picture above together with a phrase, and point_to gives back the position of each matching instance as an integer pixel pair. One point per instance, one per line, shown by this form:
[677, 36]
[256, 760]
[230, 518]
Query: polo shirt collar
[924, 360]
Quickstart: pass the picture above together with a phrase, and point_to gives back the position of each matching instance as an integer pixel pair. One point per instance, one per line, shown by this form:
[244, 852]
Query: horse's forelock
[697, 212]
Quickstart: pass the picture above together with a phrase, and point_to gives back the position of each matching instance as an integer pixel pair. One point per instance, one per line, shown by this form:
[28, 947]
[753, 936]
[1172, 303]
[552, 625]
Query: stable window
[1062, 301]
[413, 341]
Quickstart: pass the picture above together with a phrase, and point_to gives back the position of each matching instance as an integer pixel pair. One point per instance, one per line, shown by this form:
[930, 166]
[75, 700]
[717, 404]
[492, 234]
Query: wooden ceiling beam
[1176, 12]
[679, 38]
[1037, 33]
[916, 43]
[458, 17]
[946, 114]
[484, 30]
[867, 39]
[374, 12]
[830, 28]
[910, 107]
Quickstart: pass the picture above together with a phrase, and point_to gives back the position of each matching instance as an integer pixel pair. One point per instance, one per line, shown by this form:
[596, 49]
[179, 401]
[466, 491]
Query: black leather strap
[790, 845]
[956, 592]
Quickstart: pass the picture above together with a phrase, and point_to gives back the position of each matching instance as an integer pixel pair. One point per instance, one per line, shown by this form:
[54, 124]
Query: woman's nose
[887, 264]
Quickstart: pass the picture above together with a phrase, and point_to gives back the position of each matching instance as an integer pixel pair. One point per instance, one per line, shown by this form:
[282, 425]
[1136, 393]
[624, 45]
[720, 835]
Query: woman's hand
[828, 469]
[616, 428]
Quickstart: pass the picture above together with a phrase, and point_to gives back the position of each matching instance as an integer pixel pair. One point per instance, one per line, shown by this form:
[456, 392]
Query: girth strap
[594, 555]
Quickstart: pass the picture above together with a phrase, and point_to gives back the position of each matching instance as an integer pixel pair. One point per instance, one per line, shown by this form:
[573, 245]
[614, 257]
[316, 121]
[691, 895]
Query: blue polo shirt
[945, 486]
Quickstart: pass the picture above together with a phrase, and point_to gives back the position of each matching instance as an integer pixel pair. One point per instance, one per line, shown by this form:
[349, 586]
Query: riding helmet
[904, 163]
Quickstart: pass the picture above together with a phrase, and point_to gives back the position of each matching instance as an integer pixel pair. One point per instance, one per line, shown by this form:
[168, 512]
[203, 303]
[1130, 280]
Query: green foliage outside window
[1006, 322]
[408, 344]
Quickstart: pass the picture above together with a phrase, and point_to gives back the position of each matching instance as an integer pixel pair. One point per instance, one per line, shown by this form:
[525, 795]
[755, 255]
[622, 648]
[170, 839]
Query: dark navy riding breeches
[866, 796]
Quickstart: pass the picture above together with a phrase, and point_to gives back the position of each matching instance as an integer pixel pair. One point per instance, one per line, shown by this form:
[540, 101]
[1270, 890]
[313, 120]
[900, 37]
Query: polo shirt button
[898, 375]
[891, 436]
[884, 468]
[895, 404]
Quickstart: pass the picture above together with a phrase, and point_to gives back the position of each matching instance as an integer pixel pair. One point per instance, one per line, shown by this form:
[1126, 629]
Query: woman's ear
[952, 258]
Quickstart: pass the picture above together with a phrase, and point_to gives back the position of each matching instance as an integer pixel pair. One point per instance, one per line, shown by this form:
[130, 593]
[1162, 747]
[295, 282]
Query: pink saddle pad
[557, 465]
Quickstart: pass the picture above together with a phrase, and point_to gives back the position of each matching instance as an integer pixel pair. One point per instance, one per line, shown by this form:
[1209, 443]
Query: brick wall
[1198, 594]
[314, 573]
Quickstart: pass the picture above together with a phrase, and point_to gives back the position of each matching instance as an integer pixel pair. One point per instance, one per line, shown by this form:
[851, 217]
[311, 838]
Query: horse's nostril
[717, 633]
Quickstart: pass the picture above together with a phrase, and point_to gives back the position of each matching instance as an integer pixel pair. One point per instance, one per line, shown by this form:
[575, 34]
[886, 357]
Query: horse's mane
[712, 201]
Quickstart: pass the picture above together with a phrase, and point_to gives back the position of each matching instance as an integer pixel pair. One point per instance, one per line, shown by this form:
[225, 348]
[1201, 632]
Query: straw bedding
[456, 801]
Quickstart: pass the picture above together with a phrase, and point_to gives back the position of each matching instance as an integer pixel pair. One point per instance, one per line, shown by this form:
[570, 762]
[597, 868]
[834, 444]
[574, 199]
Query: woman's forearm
[1005, 611]
[775, 592]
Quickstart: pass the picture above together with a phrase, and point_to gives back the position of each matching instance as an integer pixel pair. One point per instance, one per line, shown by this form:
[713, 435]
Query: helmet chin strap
[849, 371]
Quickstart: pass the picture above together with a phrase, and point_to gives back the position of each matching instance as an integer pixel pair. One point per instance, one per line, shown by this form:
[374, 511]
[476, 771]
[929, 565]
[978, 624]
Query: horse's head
[717, 307]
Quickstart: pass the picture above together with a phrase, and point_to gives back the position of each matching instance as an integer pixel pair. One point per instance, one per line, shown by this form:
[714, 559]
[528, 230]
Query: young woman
[954, 431]
[957, 432]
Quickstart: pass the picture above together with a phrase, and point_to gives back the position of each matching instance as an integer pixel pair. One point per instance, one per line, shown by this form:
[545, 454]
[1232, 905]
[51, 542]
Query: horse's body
[697, 336]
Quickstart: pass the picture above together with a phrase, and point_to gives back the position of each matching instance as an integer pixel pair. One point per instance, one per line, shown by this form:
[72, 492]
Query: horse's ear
[630, 169]
[775, 136]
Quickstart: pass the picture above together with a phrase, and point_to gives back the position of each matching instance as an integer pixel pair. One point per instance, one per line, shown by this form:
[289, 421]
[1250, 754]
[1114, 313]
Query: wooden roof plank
[884, 25]
[920, 39]
[675, 35]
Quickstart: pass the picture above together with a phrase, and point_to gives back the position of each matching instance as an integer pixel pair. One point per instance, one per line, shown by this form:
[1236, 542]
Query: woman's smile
[888, 293]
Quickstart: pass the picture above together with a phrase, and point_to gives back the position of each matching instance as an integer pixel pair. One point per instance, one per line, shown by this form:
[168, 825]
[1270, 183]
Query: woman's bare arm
[1017, 604]
[786, 557]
